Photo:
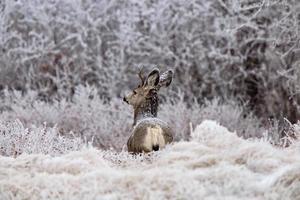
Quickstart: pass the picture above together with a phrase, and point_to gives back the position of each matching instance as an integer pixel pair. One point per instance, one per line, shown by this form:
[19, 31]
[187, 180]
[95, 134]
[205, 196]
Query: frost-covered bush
[282, 132]
[16, 139]
[246, 49]
[109, 124]
[230, 114]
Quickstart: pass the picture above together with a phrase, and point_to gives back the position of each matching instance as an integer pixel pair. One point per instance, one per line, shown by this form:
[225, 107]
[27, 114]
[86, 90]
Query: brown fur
[136, 142]
[149, 132]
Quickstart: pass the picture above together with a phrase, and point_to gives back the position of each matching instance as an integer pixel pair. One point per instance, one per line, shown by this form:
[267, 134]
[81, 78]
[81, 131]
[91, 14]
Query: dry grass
[215, 164]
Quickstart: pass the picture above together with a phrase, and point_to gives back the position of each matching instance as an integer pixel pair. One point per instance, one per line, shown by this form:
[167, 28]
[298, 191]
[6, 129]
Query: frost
[65, 65]
[208, 127]
[218, 48]
[196, 169]
[15, 139]
[108, 125]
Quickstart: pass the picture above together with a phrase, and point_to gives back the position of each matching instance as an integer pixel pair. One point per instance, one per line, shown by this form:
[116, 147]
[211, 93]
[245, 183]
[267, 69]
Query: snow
[65, 65]
[214, 164]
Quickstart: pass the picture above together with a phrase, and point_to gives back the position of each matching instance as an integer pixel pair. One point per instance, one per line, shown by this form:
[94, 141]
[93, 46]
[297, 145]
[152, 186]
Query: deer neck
[146, 110]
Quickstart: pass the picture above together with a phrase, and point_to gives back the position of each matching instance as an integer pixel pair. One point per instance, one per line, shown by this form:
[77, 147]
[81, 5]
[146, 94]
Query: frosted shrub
[108, 124]
[15, 139]
[234, 116]
[245, 49]
[229, 114]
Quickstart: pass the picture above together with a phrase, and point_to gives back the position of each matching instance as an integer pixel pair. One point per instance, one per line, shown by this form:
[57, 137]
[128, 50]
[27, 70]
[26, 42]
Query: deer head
[144, 98]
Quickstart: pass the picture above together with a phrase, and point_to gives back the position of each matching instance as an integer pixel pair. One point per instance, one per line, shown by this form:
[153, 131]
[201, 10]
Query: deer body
[149, 132]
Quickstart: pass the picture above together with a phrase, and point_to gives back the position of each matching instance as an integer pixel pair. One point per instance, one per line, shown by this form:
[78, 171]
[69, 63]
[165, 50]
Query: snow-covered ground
[65, 66]
[213, 164]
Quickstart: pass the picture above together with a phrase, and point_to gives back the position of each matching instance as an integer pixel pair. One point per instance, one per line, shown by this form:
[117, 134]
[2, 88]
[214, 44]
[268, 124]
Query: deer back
[150, 134]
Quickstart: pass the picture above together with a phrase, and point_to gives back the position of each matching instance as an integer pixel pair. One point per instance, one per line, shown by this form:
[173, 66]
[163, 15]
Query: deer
[149, 132]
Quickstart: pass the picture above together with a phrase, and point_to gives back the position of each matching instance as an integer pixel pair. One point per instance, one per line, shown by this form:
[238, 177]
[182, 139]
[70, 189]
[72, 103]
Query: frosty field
[213, 164]
[231, 96]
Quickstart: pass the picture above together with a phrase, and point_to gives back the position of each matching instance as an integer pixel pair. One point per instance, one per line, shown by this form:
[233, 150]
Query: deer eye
[134, 92]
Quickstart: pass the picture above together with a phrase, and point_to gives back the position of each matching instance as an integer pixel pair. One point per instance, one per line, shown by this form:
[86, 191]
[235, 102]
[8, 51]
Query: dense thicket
[226, 49]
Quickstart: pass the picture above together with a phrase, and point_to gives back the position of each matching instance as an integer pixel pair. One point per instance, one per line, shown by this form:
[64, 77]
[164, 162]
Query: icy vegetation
[222, 48]
[15, 140]
[108, 124]
[214, 164]
[234, 102]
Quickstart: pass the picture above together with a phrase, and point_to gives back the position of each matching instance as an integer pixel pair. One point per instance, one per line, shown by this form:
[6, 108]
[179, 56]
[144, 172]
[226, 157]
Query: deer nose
[124, 99]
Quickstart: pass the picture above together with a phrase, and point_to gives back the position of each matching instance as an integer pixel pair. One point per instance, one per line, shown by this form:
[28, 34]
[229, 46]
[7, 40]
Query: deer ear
[166, 78]
[153, 78]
